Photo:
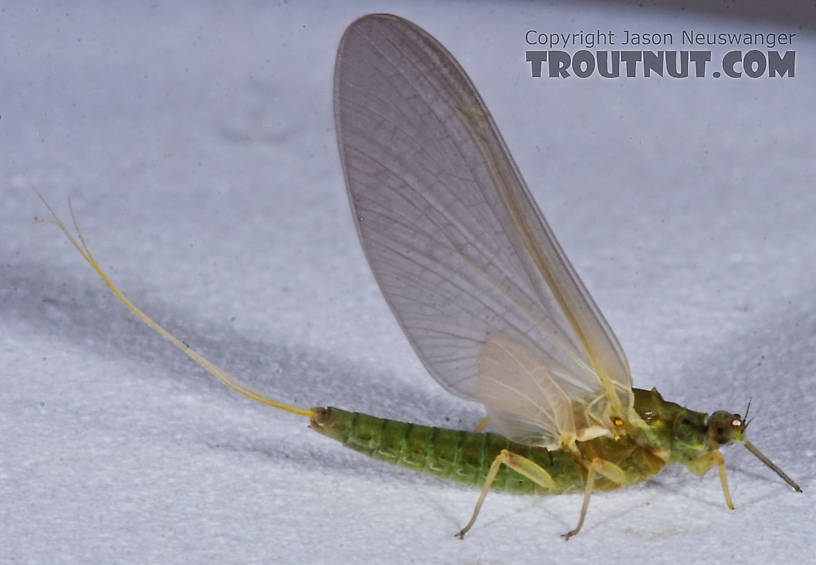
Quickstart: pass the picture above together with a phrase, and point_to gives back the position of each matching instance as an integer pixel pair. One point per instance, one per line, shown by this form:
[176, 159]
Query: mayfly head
[725, 427]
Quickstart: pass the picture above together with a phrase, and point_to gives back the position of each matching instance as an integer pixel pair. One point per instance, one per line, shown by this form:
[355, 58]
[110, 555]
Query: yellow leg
[701, 466]
[519, 464]
[606, 469]
[483, 424]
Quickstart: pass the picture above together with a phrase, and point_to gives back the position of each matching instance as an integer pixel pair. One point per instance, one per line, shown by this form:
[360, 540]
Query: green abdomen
[451, 454]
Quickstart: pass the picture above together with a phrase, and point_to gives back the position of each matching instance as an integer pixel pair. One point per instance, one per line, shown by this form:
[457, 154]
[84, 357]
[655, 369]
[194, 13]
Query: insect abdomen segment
[451, 454]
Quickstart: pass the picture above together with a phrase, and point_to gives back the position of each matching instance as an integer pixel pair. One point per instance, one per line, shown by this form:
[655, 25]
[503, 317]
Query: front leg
[701, 466]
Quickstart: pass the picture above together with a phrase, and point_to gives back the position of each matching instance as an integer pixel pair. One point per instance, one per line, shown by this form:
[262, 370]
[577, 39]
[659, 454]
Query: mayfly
[484, 294]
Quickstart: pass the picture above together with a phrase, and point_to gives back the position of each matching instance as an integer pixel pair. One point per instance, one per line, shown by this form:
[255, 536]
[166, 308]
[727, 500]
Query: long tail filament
[229, 380]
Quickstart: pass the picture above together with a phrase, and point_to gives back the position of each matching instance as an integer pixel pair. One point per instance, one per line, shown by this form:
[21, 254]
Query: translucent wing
[464, 258]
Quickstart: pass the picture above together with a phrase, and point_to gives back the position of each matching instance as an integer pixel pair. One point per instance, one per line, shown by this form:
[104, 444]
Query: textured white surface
[197, 144]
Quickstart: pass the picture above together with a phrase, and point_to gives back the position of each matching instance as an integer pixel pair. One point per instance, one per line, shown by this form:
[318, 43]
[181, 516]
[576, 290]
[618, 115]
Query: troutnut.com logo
[751, 55]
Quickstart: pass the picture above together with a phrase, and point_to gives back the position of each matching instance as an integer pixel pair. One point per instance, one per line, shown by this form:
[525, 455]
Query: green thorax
[673, 432]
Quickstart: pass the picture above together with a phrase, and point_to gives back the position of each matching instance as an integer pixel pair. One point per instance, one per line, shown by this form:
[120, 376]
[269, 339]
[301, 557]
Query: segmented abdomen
[452, 454]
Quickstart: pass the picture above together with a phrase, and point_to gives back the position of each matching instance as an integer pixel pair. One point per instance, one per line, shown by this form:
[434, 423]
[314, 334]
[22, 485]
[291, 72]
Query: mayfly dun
[484, 294]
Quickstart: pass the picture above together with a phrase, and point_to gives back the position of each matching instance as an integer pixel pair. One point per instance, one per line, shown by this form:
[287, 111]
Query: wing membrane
[462, 254]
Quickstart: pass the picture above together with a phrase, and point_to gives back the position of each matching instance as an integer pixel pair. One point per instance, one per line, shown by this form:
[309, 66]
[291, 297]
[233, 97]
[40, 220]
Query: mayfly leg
[704, 463]
[601, 467]
[520, 465]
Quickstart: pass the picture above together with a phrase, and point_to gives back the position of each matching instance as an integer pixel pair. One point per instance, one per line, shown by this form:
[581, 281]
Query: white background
[197, 145]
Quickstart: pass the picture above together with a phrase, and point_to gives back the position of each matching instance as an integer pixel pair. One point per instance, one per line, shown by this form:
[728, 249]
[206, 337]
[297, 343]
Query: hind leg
[519, 464]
